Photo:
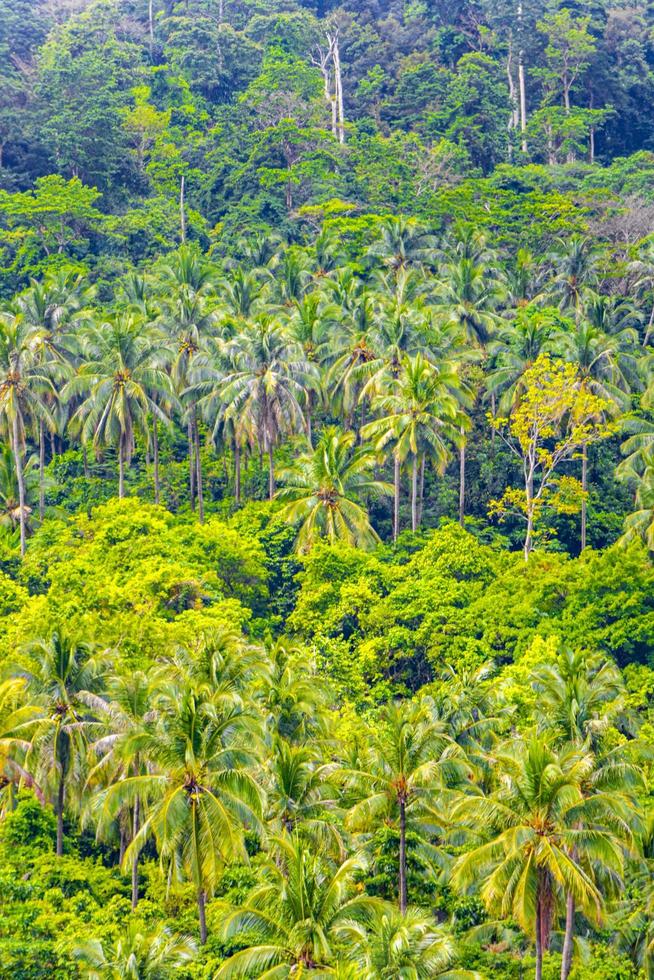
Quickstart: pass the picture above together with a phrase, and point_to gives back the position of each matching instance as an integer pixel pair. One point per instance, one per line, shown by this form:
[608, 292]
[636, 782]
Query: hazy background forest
[326, 489]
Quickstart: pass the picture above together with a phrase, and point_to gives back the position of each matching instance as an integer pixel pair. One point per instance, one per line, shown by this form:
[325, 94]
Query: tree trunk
[414, 494]
[61, 792]
[191, 464]
[402, 874]
[18, 461]
[202, 915]
[539, 942]
[566, 961]
[338, 91]
[421, 490]
[151, 25]
[41, 470]
[135, 859]
[462, 480]
[523, 103]
[122, 846]
[237, 474]
[198, 469]
[155, 454]
[182, 210]
[584, 488]
[85, 459]
[121, 468]
[396, 496]
[271, 473]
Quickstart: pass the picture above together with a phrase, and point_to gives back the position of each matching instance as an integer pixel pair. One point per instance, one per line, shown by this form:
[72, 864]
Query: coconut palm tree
[535, 846]
[137, 954]
[265, 385]
[408, 759]
[199, 787]
[323, 491]
[292, 917]
[422, 417]
[122, 385]
[60, 733]
[394, 945]
[25, 383]
[640, 524]
[16, 716]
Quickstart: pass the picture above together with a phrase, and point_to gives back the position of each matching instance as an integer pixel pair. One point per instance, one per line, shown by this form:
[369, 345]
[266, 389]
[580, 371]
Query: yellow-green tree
[556, 416]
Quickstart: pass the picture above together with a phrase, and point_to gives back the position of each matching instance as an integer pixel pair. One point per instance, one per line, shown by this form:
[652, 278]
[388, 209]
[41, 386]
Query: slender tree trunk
[421, 490]
[402, 874]
[414, 494]
[61, 793]
[271, 473]
[20, 477]
[151, 25]
[53, 444]
[122, 846]
[237, 474]
[135, 859]
[182, 210]
[539, 942]
[523, 103]
[191, 464]
[202, 916]
[198, 469]
[41, 470]
[85, 460]
[584, 488]
[396, 496]
[566, 961]
[121, 468]
[155, 454]
[338, 86]
[462, 480]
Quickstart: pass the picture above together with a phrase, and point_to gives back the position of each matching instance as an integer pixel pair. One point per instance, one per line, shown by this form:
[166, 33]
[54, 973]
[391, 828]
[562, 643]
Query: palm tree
[575, 262]
[468, 297]
[16, 716]
[292, 918]
[578, 696]
[536, 846]
[122, 385]
[137, 954]
[199, 787]
[421, 416]
[640, 524]
[59, 736]
[394, 945]
[323, 489]
[402, 242]
[127, 715]
[265, 385]
[408, 758]
[24, 385]
[516, 346]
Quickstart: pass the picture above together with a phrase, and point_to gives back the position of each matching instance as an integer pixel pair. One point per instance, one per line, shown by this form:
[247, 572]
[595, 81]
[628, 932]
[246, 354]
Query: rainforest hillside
[326, 489]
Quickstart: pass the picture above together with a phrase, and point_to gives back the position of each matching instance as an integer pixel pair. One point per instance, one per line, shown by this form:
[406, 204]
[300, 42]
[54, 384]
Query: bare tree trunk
[135, 859]
[396, 496]
[20, 477]
[237, 474]
[584, 489]
[191, 464]
[539, 942]
[41, 470]
[566, 961]
[402, 874]
[198, 468]
[61, 793]
[271, 473]
[151, 25]
[414, 494]
[182, 209]
[338, 88]
[85, 462]
[421, 490]
[202, 915]
[121, 468]
[155, 454]
[462, 480]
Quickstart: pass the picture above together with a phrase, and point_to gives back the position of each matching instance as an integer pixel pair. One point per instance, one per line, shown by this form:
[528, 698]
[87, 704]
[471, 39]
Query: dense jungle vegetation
[326, 489]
